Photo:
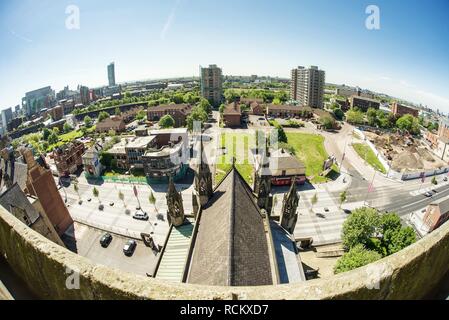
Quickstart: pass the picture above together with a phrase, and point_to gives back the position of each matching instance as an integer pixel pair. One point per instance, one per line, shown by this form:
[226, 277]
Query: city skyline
[406, 58]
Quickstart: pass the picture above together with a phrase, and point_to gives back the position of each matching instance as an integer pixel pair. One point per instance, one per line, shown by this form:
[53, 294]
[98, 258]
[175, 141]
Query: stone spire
[203, 179]
[289, 206]
[175, 211]
[262, 184]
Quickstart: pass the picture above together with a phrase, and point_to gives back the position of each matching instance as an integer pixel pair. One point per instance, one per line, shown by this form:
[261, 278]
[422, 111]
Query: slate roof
[231, 247]
[14, 169]
[14, 197]
[232, 108]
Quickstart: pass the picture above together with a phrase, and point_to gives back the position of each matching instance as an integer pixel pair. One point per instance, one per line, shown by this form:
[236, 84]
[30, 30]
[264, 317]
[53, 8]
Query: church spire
[289, 207]
[175, 211]
[262, 183]
[203, 178]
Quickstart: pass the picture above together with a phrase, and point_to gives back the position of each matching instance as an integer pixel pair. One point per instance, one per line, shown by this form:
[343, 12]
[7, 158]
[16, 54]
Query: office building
[307, 86]
[363, 104]
[400, 110]
[212, 84]
[7, 116]
[38, 99]
[111, 74]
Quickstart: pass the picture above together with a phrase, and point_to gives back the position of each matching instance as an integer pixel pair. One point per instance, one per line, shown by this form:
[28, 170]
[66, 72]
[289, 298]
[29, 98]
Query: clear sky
[408, 57]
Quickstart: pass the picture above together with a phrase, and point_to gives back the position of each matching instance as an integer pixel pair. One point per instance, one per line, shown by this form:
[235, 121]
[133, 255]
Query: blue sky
[408, 57]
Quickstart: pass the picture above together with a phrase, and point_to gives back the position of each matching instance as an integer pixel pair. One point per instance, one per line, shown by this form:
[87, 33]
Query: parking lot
[87, 244]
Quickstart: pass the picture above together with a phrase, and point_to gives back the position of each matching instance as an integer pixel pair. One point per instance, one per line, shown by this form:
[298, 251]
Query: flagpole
[370, 187]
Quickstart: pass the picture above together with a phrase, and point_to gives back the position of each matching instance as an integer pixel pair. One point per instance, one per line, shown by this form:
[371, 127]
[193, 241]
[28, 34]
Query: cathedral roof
[232, 247]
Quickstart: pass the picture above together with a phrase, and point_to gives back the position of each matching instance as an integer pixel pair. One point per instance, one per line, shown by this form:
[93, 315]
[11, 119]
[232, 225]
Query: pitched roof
[283, 160]
[182, 107]
[15, 198]
[232, 108]
[231, 247]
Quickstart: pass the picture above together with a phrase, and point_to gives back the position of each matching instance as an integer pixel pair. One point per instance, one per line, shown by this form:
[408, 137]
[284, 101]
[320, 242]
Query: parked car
[445, 179]
[129, 247]
[428, 194]
[105, 240]
[139, 215]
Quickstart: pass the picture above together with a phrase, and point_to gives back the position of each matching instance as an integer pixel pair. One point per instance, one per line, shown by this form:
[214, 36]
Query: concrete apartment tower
[111, 74]
[212, 84]
[307, 86]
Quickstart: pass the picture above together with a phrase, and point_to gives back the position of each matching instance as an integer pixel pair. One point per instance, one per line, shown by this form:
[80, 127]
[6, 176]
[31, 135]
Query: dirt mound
[406, 160]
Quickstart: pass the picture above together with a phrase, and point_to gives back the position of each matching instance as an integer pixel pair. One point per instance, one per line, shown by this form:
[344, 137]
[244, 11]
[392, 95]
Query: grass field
[367, 154]
[309, 148]
[237, 145]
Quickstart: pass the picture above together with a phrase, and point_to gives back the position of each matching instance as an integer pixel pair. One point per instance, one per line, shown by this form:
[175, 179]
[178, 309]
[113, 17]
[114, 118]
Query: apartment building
[179, 113]
[212, 84]
[307, 86]
[111, 74]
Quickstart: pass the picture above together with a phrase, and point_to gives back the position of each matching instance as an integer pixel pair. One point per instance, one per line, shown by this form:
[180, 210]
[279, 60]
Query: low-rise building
[56, 113]
[433, 217]
[91, 161]
[136, 147]
[179, 113]
[115, 123]
[400, 110]
[363, 103]
[168, 155]
[68, 158]
[285, 110]
[232, 115]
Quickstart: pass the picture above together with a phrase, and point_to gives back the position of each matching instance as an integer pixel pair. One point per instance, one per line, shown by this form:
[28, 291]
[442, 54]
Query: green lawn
[367, 154]
[239, 151]
[70, 136]
[309, 148]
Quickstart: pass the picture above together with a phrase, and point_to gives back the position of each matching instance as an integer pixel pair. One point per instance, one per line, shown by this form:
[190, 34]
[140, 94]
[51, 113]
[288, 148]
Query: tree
[360, 227]
[205, 105]
[103, 115]
[67, 127]
[152, 200]
[357, 256]
[339, 114]
[46, 133]
[167, 121]
[56, 130]
[141, 115]
[121, 196]
[197, 114]
[327, 122]
[314, 199]
[53, 138]
[371, 116]
[354, 116]
[96, 194]
[76, 188]
[117, 111]
[397, 239]
[409, 123]
[390, 221]
[88, 121]
[282, 137]
[222, 108]
[434, 180]
[342, 197]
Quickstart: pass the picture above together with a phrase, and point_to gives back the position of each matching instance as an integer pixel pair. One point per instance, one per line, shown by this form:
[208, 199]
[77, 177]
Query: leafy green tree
[357, 256]
[205, 105]
[409, 123]
[354, 116]
[96, 194]
[117, 111]
[343, 197]
[327, 122]
[88, 121]
[121, 196]
[434, 180]
[53, 138]
[67, 127]
[106, 159]
[103, 115]
[360, 227]
[282, 137]
[167, 121]
[56, 130]
[389, 221]
[339, 114]
[371, 116]
[46, 133]
[141, 115]
[197, 114]
[397, 239]
[222, 108]
[314, 199]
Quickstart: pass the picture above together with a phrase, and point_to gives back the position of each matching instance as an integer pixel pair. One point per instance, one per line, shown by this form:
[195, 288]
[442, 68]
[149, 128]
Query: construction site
[404, 151]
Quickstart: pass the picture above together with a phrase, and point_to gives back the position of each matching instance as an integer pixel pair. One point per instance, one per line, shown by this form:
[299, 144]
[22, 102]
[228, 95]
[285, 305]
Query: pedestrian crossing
[428, 189]
[326, 230]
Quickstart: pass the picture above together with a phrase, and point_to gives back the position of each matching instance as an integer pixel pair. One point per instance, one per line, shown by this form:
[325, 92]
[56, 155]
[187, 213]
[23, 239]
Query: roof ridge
[231, 230]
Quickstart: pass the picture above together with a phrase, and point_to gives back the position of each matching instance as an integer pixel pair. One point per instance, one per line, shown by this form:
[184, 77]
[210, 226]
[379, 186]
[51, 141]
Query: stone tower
[175, 211]
[203, 180]
[289, 206]
[262, 185]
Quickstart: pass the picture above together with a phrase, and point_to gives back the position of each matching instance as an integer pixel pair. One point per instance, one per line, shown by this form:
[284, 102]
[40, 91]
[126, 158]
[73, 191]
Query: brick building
[363, 103]
[41, 184]
[400, 110]
[56, 113]
[232, 115]
[69, 157]
[284, 110]
[116, 123]
[179, 113]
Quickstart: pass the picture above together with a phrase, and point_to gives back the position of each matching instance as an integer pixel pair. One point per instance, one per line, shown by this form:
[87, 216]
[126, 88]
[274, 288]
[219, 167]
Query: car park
[129, 247]
[105, 240]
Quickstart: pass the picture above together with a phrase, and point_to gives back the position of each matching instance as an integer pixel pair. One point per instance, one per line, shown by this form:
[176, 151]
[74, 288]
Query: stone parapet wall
[45, 266]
